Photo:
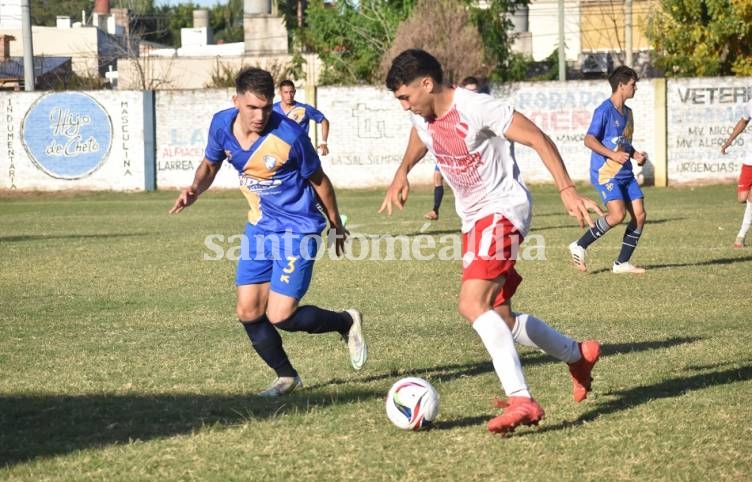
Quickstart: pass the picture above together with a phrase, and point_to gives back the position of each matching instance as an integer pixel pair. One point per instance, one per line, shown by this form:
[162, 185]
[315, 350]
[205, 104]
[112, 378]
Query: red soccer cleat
[580, 370]
[517, 411]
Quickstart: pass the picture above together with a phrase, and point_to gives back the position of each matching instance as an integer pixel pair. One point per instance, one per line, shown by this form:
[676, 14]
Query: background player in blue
[302, 113]
[610, 139]
[281, 177]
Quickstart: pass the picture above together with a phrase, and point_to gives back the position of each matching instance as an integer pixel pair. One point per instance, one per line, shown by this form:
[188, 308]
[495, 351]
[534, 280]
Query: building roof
[13, 67]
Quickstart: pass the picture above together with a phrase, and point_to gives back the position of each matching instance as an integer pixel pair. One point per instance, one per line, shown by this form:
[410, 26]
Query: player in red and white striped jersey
[473, 138]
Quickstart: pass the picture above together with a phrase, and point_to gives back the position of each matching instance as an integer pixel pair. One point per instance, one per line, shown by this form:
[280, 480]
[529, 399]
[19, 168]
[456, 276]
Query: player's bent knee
[248, 314]
[470, 310]
[279, 315]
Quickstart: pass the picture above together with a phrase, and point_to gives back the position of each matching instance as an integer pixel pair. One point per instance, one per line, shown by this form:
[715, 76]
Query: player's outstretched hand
[640, 157]
[340, 234]
[397, 193]
[580, 206]
[185, 199]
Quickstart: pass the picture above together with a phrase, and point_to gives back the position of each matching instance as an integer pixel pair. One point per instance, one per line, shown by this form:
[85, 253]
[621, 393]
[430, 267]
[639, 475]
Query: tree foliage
[494, 26]
[696, 38]
[441, 27]
[351, 36]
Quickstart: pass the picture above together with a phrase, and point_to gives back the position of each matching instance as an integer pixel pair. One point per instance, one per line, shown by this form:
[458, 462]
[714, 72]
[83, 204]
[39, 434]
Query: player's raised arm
[524, 131]
[399, 189]
[738, 128]
[205, 174]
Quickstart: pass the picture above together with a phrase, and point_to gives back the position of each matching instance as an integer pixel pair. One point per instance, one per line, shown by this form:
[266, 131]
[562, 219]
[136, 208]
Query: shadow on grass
[44, 237]
[33, 426]
[675, 387]
[710, 262]
[451, 372]
[456, 371]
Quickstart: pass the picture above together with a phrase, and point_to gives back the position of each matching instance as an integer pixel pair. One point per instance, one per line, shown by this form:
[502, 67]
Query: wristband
[322, 142]
[565, 188]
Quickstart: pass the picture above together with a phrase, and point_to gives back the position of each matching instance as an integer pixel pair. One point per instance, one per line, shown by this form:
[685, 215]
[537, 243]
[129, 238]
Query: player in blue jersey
[282, 179]
[610, 139]
[302, 113]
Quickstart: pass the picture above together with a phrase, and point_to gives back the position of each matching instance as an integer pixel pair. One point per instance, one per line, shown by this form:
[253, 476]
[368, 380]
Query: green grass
[121, 358]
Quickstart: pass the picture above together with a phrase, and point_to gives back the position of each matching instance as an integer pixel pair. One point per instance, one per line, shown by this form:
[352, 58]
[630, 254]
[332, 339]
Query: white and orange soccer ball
[412, 403]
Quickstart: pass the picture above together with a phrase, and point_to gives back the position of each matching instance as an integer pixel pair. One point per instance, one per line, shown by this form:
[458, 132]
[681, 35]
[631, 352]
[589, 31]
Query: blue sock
[592, 234]
[268, 344]
[313, 319]
[629, 243]
[438, 195]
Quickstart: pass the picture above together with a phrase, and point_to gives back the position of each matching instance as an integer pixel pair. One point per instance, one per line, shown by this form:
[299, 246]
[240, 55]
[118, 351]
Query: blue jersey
[614, 131]
[274, 173]
[301, 113]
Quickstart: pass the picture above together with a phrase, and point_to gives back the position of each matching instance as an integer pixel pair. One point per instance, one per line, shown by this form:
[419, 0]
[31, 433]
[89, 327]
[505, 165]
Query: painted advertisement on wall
[701, 113]
[368, 136]
[72, 140]
[564, 110]
[182, 119]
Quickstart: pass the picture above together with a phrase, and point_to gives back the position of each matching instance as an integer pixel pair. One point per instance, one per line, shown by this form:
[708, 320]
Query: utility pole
[28, 49]
[628, 32]
[562, 53]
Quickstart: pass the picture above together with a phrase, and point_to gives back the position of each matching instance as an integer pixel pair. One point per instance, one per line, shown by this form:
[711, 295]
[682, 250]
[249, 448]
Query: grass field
[121, 358]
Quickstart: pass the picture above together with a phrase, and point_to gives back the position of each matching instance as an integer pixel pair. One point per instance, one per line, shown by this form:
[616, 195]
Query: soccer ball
[412, 403]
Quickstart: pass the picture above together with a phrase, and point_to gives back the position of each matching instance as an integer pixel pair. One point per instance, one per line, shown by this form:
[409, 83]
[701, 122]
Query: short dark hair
[287, 83]
[469, 80]
[621, 75]
[410, 65]
[258, 81]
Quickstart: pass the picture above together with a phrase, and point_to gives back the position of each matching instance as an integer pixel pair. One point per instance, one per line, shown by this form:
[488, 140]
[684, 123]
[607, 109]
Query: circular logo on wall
[67, 135]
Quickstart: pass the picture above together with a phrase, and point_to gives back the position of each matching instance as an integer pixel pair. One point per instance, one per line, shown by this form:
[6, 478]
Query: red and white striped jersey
[476, 160]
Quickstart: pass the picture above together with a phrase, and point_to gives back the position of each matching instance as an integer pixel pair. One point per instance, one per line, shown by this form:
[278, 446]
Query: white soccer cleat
[356, 343]
[739, 243]
[621, 268]
[282, 386]
[579, 255]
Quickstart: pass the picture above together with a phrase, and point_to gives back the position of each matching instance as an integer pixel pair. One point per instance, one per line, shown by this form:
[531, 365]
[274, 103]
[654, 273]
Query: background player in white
[472, 138]
[744, 186]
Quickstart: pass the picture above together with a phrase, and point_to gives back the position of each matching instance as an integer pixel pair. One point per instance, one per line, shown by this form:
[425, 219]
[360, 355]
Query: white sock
[497, 338]
[530, 331]
[746, 221]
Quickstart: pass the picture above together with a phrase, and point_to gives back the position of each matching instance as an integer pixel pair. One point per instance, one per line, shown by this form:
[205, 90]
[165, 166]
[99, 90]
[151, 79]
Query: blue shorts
[626, 190]
[285, 260]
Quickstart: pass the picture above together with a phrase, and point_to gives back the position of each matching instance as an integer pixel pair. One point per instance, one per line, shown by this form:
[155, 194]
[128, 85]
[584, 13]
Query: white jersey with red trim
[476, 160]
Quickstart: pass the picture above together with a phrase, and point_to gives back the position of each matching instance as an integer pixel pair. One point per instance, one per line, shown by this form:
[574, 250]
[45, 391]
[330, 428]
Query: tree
[494, 26]
[696, 38]
[44, 12]
[351, 36]
[451, 38]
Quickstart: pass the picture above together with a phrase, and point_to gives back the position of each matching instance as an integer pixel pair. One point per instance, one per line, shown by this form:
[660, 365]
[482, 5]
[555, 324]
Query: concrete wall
[602, 25]
[80, 43]
[196, 72]
[104, 139]
[544, 27]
